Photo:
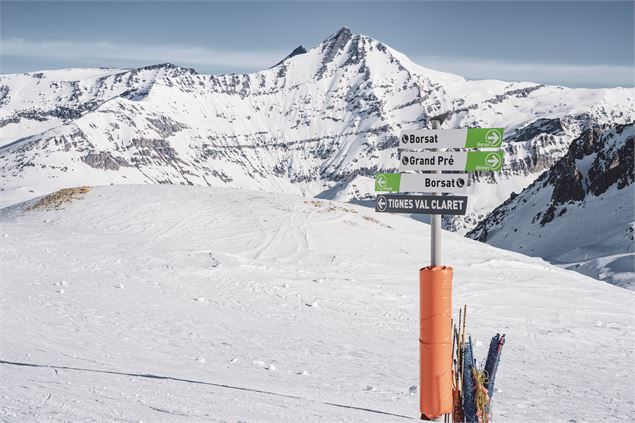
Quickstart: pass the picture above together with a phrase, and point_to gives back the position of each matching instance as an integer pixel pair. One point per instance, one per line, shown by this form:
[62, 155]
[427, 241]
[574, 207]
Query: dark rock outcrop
[103, 160]
[537, 127]
[297, 51]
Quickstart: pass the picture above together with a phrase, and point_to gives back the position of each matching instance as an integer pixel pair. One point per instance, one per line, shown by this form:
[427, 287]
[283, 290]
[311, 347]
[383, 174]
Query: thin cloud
[106, 53]
[132, 54]
[591, 75]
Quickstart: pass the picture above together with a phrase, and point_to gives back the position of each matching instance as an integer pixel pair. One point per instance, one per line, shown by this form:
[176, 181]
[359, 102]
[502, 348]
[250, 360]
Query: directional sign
[421, 182]
[452, 138]
[467, 161]
[421, 204]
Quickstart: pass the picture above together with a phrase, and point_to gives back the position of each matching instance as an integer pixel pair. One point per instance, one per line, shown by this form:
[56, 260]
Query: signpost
[464, 161]
[424, 204]
[435, 281]
[421, 182]
[452, 138]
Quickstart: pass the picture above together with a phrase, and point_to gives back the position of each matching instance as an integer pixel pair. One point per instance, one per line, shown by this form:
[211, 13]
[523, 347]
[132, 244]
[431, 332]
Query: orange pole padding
[435, 341]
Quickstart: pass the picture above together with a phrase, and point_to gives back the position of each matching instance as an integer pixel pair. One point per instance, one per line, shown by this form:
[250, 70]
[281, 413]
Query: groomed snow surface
[173, 303]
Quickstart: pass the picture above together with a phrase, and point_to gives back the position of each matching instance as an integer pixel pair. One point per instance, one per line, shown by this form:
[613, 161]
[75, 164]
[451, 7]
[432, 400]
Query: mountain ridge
[579, 213]
[320, 123]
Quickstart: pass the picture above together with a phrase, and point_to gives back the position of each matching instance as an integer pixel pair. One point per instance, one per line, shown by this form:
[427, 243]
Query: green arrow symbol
[484, 161]
[381, 181]
[484, 137]
[387, 182]
[493, 137]
[492, 160]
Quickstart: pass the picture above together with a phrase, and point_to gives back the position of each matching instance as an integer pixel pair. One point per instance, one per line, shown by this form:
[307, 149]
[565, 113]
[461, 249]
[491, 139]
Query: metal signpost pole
[435, 242]
[435, 222]
[435, 260]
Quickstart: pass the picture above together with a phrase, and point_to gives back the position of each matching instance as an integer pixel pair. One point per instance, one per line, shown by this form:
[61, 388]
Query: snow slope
[172, 303]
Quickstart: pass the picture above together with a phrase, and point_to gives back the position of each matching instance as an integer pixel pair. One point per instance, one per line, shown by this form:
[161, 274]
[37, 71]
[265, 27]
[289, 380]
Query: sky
[572, 43]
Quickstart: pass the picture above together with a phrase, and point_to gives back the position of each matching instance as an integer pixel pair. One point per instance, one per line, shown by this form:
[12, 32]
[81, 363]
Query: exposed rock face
[165, 126]
[536, 128]
[613, 167]
[609, 167]
[103, 160]
[332, 46]
[566, 179]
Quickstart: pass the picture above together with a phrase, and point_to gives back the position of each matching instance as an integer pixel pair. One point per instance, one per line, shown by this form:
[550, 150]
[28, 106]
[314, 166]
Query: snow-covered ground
[174, 303]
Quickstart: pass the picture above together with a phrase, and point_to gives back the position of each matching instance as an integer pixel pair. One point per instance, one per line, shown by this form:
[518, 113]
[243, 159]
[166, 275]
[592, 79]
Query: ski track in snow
[168, 303]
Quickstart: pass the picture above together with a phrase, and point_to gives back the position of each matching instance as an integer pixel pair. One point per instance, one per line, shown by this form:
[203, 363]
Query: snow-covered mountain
[207, 304]
[580, 212]
[319, 123]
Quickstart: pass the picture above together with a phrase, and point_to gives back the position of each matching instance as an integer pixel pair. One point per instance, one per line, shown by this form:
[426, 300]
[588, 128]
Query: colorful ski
[469, 408]
[493, 358]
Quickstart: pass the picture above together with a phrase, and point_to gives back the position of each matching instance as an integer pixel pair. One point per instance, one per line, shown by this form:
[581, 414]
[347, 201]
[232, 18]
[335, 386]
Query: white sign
[421, 182]
[430, 160]
[451, 138]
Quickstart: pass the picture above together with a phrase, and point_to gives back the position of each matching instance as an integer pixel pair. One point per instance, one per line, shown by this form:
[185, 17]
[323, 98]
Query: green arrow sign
[484, 137]
[387, 182]
[484, 161]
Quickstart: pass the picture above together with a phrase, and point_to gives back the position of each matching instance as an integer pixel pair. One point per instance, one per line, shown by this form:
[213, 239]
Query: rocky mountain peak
[344, 33]
[336, 42]
[296, 51]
